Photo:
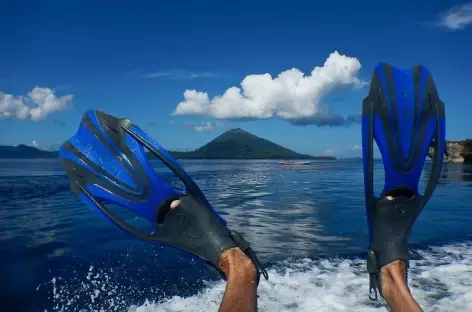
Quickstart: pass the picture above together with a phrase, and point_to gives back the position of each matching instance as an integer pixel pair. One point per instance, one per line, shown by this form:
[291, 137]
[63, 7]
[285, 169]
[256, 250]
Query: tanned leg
[241, 287]
[395, 289]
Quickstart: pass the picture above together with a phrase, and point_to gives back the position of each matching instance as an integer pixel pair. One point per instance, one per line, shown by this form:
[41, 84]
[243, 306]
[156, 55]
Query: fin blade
[101, 159]
[106, 162]
[406, 114]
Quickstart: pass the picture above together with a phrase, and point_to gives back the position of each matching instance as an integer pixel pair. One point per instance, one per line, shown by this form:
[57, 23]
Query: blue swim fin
[404, 115]
[107, 164]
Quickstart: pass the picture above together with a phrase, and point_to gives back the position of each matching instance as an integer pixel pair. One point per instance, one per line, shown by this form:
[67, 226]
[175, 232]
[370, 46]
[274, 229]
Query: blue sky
[60, 58]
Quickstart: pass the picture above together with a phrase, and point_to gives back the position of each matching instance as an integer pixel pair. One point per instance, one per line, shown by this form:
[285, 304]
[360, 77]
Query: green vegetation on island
[25, 152]
[455, 151]
[233, 144]
[240, 144]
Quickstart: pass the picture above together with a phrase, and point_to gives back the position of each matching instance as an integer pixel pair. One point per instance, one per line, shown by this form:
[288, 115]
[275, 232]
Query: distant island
[25, 152]
[455, 151]
[240, 144]
[233, 144]
[352, 158]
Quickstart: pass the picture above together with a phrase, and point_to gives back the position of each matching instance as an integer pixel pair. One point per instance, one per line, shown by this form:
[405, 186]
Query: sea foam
[440, 279]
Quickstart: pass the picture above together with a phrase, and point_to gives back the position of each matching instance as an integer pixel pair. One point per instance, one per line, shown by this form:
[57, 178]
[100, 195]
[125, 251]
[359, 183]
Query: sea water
[307, 224]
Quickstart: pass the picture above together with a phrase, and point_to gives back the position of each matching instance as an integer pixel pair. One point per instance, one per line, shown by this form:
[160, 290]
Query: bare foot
[241, 288]
[175, 204]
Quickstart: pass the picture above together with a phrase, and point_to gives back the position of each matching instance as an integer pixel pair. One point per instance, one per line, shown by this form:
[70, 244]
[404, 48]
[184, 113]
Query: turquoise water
[307, 223]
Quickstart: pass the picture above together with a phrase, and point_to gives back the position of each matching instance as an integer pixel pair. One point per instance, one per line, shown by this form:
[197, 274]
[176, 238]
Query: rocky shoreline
[458, 152]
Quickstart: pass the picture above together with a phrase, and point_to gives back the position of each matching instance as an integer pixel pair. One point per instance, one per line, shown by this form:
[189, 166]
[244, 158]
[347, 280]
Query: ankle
[235, 264]
[393, 279]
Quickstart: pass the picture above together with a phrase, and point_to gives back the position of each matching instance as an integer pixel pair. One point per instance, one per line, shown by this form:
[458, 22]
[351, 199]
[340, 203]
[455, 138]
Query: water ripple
[285, 212]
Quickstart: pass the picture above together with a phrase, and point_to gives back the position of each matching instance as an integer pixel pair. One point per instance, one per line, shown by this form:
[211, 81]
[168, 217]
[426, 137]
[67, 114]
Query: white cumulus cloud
[292, 95]
[204, 125]
[34, 143]
[357, 148]
[208, 126]
[457, 17]
[39, 103]
[329, 152]
[332, 151]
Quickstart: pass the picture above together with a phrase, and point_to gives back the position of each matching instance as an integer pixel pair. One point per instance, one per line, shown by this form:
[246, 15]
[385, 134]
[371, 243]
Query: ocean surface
[307, 224]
